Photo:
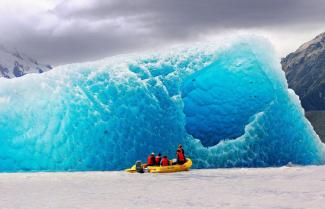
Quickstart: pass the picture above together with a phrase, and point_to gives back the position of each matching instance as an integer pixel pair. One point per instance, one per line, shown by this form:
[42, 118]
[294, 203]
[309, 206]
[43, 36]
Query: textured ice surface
[229, 105]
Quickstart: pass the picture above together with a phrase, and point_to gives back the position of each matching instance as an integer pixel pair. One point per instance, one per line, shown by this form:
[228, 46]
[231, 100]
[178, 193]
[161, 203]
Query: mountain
[305, 72]
[16, 64]
[317, 119]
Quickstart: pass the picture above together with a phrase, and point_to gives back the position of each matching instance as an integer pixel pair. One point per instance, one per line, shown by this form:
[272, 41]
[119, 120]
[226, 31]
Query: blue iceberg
[227, 103]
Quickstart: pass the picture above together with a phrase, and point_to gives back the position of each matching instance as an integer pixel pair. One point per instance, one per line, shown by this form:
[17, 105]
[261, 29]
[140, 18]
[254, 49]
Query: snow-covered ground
[285, 187]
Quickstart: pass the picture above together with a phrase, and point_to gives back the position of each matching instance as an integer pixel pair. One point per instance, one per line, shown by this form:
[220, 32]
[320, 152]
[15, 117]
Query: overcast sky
[65, 31]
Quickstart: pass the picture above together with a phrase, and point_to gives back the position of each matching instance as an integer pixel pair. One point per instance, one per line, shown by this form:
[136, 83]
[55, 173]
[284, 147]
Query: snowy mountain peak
[15, 64]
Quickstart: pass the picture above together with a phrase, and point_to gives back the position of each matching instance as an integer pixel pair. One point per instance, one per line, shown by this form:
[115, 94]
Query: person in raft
[151, 161]
[181, 159]
[158, 159]
[164, 161]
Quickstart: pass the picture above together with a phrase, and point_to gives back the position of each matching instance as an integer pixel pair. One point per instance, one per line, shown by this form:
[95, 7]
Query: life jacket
[180, 155]
[151, 160]
[165, 162]
[182, 150]
[158, 159]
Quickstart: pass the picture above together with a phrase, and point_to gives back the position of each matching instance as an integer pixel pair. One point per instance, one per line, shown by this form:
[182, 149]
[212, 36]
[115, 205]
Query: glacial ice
[228, 103]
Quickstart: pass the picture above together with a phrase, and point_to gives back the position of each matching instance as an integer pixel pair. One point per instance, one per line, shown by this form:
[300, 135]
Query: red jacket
[151, 160]
[180, 155]
[158, 159]
[165, 162]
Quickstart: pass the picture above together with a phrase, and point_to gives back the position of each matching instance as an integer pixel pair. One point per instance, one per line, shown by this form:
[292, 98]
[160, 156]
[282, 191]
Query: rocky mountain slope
[305, 72]
[317, 118]
[15, 64]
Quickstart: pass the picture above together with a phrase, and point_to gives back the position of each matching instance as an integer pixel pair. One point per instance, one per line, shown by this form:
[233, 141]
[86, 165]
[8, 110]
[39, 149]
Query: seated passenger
[151, 161]
[158, 159]
[164, 161]
[180, 155]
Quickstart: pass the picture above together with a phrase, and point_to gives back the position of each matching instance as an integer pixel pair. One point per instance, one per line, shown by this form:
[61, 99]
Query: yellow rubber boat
[163, 169]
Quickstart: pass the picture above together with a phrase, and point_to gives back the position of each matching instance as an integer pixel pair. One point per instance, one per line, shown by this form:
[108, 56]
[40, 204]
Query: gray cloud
[70, 31]
[192, 14]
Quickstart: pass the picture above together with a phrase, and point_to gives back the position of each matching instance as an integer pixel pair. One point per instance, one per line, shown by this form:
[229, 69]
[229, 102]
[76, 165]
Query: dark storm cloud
[203, 12]
[100, 27]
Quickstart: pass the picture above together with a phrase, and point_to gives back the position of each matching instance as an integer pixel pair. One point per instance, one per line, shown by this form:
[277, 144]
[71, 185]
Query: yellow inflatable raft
[163, 169]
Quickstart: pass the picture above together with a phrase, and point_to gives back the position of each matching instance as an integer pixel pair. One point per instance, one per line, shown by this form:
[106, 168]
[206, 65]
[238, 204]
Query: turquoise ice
[228, 103]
